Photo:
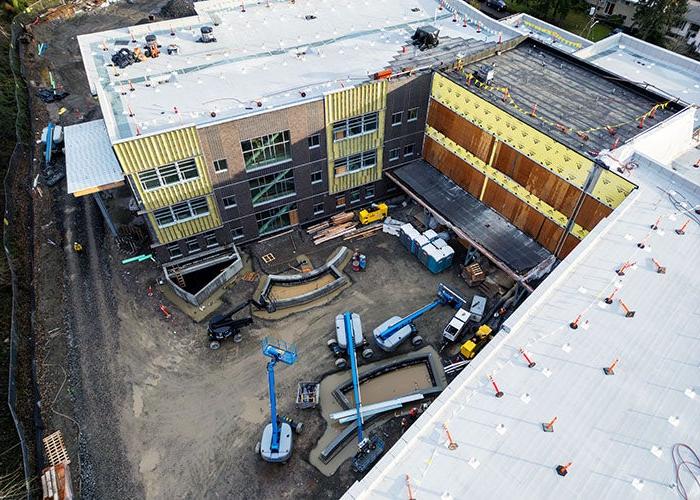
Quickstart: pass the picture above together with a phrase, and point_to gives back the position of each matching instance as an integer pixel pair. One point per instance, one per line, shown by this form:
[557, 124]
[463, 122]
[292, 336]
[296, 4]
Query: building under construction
[245, 120]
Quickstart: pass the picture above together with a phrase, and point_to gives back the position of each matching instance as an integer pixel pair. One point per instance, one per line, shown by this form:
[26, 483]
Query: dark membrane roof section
[479, 222]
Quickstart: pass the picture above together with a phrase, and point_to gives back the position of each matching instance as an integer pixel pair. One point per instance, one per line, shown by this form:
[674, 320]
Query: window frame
[415, 115]
[400, 115]
[179, 172]
[193, 241]
[338, 199]
[369, 192]
[355, 162]
[207, 240]
[411, 152]
[320, 177]
[235, 236]
[217, 162]
[177, 250]
[314, 144]
[341, 130]
[224, 202]
[266, 187]
[354, 196]
[321, 211]
[398, 154]
[177, 212]
[267, 148]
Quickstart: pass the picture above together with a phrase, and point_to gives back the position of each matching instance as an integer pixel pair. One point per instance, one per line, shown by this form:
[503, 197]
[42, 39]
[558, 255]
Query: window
[355, 196]
[315, 141]
[394, 154]
[174, 250]
[220, 165]
[318, 209]
[609, 8]
[210, 239]
[272, 187]
[192, 245]
[181, 212]
[352, 163]
[357, 125]
[396, 119]
[412, 115]
[369, 192]
[229, 201]
[174, 173]
[408, 150]
[266, 150]
[340, 201]
[316, 177]
[274, 218]
[237, 233]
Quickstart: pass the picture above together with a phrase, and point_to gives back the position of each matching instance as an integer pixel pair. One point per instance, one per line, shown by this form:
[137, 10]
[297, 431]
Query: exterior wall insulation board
[349, 103]
[552, 155]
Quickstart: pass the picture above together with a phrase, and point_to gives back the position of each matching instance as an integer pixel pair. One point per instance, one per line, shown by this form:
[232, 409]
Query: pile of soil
[177, 8]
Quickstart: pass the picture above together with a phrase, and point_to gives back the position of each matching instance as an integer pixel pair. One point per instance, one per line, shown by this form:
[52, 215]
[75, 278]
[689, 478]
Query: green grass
[574, 22]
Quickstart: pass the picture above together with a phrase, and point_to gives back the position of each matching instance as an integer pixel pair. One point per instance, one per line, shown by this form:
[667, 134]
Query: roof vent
[426, 37]
[485, 73]
[207, 35]
[310, 17]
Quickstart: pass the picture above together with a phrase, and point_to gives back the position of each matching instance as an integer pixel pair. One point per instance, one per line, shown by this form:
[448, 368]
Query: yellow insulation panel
[188, 228]
[612, 189]
[153, 151]
[169, 195]
[349, 103]
[504, 181]
[552, 155]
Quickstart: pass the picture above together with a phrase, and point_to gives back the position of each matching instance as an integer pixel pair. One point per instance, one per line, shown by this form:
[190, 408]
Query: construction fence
[21, 152]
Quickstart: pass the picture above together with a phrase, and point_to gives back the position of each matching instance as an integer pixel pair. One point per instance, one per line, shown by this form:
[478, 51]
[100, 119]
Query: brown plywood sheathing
[464, 133]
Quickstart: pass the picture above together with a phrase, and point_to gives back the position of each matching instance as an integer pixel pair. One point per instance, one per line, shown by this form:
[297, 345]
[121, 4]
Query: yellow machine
[380, 211]
[472, 346]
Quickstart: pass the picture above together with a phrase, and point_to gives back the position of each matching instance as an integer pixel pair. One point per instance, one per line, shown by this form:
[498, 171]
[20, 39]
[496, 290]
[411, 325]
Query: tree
[550, 10]
[653, 18]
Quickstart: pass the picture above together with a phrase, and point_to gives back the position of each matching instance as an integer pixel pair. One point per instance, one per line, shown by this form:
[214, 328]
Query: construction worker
[77, 247]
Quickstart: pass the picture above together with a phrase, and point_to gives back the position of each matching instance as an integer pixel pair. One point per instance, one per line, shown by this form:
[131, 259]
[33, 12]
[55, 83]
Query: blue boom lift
[370, 447]
[276, 442]
[390, 334]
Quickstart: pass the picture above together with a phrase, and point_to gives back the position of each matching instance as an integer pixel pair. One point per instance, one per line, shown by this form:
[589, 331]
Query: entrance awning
[91, 165]
[514, 251]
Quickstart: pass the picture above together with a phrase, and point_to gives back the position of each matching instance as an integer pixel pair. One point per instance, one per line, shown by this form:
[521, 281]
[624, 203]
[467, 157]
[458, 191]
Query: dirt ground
[147, 410]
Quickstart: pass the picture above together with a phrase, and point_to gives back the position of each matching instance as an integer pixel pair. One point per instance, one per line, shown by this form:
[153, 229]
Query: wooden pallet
[250, 276]
[55, 450]
[268, 257]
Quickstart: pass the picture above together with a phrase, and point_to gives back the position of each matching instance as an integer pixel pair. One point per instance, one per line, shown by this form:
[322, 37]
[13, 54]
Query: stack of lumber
[332, 231]
[341, 225]
[342, 218]
[364, 232]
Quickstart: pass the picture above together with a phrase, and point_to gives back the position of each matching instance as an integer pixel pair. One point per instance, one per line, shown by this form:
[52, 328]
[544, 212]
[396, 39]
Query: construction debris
[56, 483]
[307, 395]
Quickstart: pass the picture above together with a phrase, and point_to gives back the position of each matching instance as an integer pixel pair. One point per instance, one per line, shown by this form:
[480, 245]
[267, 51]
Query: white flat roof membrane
[617, 430]
[90, 160]
[263, 58]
